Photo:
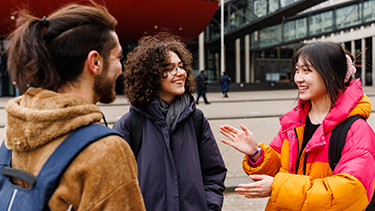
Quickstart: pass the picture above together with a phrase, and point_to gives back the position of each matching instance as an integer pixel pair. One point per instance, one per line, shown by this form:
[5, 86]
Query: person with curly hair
[175, 170]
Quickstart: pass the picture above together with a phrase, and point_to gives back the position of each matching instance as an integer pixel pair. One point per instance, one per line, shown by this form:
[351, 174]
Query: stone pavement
[258, 110]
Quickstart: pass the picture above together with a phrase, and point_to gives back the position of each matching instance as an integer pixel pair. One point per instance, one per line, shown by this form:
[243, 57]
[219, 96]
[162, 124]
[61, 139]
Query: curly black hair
[146, 64]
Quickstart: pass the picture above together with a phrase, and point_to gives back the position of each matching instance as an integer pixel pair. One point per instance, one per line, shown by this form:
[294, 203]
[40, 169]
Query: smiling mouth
[178, 82]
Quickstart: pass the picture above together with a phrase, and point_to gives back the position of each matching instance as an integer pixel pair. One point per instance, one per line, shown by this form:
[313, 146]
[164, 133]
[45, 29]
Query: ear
[94, 61]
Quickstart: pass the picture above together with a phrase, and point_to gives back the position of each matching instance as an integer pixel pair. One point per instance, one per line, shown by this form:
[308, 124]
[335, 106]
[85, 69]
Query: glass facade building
[263, 55]
[318, 23]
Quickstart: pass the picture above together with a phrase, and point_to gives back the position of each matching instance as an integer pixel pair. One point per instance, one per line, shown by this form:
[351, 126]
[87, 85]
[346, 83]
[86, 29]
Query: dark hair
[52, 51]
[350, 55]
[329, 60]
[147, 63]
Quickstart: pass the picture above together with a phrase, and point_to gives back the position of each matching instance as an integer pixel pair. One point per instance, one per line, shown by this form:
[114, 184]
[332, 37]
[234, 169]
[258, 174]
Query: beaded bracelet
[259, 148]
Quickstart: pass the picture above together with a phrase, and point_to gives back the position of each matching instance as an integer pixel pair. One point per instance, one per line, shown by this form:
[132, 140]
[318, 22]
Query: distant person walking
[225, 81]
[202, 81]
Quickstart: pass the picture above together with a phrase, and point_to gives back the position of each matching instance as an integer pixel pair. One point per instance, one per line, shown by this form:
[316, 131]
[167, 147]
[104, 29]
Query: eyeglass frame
[175, 69]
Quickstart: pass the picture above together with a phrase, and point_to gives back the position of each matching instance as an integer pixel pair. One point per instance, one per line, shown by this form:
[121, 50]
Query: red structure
[186, 18]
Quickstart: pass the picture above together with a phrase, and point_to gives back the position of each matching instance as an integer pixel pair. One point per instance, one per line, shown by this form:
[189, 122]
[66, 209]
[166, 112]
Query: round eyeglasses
[173, 68]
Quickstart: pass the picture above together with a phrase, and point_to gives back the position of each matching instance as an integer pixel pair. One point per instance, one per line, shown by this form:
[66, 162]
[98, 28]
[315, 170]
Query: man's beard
[105, 88]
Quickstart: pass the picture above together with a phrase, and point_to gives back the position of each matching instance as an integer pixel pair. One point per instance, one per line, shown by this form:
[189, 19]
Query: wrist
[256, 152]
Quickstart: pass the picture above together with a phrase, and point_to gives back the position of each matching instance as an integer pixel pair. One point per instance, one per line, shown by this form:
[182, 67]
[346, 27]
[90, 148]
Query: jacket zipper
[304, 164]
[12, 200]
[298, 155]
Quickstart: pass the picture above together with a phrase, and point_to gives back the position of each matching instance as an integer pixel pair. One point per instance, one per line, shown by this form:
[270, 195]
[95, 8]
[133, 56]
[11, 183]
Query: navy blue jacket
[224, 83]
[174, 172]
[202, 81]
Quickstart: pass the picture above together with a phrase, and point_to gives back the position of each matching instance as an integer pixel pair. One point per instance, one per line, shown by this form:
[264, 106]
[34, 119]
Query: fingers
[226, 133]
[229, 129]
[244, 128]
[261, 187]
[256, 177]
[229, 132]
[247, 132]
[248, 191]
[227, 142]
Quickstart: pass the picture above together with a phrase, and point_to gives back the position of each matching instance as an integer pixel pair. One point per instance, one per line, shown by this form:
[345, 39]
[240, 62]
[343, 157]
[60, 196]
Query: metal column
[238, 60]
[201, 51]
[247, 58]
[363, 62]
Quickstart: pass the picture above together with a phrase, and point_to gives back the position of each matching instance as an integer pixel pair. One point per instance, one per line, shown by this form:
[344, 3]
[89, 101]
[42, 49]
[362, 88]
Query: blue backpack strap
[5, 155]
[6, 170]
[66, 152]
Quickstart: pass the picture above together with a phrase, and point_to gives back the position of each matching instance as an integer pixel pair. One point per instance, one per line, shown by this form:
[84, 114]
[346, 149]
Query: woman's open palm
[242, 140]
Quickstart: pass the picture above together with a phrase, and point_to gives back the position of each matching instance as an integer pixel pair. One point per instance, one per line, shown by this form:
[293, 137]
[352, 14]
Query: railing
[314, 23]
[239, 13]
[317, 23]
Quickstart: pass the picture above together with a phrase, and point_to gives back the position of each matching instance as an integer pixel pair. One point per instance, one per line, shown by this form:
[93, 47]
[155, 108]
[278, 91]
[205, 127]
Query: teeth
[178, 82]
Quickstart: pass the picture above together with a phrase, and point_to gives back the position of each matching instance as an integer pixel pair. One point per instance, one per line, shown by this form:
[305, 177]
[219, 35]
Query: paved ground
[258, 110]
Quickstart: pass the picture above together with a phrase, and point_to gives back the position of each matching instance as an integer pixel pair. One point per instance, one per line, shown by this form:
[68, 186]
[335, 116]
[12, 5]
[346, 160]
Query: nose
[183, 71]
[298, 77]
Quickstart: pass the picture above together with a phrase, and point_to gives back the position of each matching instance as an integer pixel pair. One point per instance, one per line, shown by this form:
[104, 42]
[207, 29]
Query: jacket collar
[152, 110]
[349, 103]
[40, 115]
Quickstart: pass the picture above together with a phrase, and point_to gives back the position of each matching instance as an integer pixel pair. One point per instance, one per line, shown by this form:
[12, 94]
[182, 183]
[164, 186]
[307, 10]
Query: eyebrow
[175, 63]
[303, 65]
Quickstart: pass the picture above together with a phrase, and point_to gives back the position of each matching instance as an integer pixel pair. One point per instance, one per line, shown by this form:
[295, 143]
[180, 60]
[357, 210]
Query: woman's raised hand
[242, 140]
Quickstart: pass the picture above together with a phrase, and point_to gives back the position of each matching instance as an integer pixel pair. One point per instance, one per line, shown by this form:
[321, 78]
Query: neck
[319, 111]
[87, 94]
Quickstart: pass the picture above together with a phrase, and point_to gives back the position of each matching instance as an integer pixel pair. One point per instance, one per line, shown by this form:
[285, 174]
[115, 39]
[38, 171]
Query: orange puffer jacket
[313, 186]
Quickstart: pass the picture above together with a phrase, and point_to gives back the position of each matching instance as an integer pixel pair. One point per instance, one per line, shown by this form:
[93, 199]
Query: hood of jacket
[349, 103]
[40, 115]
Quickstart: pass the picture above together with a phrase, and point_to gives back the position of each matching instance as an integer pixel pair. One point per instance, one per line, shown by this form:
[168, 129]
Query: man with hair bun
[73, 57]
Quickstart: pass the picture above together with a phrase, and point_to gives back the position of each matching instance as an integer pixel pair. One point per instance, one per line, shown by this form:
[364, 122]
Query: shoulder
[104, 168]
[294, 118]
[361, 136]
[111, 152]
[122, 123]
[107, 162]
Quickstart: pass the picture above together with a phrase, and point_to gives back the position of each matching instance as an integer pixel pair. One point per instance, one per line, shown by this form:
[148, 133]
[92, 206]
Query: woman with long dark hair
[294, 170]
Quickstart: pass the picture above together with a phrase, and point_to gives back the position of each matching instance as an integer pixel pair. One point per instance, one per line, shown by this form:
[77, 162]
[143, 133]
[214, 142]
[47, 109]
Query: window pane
[348, 16]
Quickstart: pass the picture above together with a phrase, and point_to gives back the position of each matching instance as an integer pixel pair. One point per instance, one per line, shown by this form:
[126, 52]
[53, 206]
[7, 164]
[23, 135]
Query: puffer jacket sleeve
[349, 188]
[123, 126]
[213, 168]
[269, 163]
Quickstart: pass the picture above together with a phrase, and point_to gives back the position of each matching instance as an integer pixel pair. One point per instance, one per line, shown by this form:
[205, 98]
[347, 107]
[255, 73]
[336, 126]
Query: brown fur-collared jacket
[102, 177]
